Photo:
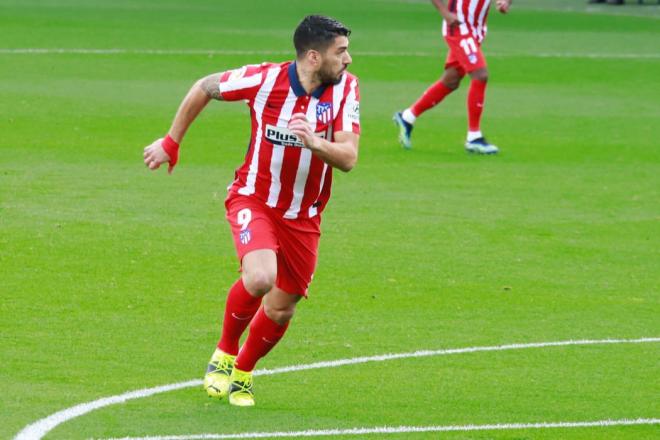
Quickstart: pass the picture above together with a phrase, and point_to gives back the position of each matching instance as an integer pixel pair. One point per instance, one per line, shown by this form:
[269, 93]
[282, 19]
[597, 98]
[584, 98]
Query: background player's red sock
[240, 308]
[264, 335]
[475, 104]
[430, 98]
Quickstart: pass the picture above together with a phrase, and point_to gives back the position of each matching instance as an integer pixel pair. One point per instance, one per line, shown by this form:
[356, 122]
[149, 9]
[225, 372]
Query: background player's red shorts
[254, 226]
[464, 54]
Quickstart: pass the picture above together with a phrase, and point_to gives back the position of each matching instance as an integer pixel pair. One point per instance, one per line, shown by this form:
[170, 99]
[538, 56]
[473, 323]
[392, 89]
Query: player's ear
[313, 57]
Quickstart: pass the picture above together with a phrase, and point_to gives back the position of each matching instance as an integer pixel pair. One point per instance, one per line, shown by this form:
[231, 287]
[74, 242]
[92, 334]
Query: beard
[328, 77]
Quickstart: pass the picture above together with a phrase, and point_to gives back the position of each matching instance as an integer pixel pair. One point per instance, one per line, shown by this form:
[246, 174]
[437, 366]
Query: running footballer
[305, 122]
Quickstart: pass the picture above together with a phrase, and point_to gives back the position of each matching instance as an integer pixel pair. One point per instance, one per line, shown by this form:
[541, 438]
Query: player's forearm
[190, 107]
[340, 155]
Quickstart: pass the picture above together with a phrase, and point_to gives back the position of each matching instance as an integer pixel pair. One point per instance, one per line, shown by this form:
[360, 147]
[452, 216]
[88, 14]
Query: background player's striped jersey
[472, 14]
[278, 169]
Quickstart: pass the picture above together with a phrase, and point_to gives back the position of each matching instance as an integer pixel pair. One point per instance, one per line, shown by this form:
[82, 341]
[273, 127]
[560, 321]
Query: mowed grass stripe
[229, 52]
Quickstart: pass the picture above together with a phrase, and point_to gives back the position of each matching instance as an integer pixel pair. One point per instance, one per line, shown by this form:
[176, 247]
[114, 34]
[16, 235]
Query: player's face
[335, 61]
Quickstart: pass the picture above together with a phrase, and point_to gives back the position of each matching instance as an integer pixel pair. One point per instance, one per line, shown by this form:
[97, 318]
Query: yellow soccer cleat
[216, 379]
[240, 390]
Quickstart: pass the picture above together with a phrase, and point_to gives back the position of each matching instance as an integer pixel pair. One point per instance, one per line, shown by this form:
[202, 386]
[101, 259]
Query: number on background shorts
[468, 45]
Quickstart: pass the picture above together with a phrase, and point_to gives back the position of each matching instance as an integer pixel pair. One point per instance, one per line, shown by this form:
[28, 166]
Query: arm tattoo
[210, 86]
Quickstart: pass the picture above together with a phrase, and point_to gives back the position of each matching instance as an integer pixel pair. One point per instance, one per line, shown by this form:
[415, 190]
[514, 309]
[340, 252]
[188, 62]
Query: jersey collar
[298, 89]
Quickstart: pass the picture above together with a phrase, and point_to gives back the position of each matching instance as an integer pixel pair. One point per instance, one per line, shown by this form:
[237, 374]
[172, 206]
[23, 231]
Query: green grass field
[113, 279]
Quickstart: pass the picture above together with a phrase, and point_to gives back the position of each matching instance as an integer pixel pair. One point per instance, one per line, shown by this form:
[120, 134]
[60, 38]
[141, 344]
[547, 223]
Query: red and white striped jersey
[278, 169]
[472, 14]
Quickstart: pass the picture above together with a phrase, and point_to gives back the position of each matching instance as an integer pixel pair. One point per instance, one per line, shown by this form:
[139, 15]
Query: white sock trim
[408, 116]
[472, 135]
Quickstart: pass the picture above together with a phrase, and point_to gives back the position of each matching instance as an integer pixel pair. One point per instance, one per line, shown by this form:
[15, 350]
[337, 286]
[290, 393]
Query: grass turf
[113, 279]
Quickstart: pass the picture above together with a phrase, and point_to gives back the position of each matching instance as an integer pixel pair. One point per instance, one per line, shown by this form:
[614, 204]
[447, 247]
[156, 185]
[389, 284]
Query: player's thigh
[453, 69]
[251, 225]
[259, 270]
[256, 242]
[465, 53]
[297, 256]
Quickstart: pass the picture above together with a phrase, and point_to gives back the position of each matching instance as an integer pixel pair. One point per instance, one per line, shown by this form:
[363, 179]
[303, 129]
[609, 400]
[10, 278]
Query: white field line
[424, 353]
[38, 429]
[400, 430]
[221, 52]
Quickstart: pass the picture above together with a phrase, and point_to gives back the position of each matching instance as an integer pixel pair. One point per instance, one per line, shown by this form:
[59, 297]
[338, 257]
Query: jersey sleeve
[242, 83]
[348, 117]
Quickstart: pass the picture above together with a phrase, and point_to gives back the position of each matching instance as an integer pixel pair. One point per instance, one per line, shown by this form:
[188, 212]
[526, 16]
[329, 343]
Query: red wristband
[171, 147]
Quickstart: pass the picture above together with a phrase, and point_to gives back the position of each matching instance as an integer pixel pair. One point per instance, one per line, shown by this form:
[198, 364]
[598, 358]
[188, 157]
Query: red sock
[264, 335]
[431, 97]
[240, 308]
[475, 103]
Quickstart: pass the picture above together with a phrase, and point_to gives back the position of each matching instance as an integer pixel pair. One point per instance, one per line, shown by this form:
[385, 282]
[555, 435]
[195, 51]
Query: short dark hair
[317, 32]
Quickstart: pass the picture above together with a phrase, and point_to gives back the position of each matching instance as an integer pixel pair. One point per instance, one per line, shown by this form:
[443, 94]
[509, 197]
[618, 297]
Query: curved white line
[207, 52]
[400, 430]
[38, 429]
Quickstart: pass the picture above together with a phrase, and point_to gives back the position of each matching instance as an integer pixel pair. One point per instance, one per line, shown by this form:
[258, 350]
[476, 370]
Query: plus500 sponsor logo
[285, 137]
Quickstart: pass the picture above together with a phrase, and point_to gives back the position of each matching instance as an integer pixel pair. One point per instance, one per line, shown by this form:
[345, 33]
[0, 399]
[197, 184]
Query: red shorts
[464, 54]
[254, 226]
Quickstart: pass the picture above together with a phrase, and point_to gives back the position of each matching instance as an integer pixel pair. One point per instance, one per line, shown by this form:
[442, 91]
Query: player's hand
[452, 19]
[155, 155]
[300, 126]
[503, 5]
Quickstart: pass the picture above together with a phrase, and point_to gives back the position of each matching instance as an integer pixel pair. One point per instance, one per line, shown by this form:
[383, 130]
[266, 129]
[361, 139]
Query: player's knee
[480, 75]
[259, 282]
[452, 83]
[451, 79]
[280, 314]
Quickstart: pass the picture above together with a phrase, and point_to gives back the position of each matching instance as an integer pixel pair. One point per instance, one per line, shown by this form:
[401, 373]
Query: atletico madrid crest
[245, 236]
[324, 112]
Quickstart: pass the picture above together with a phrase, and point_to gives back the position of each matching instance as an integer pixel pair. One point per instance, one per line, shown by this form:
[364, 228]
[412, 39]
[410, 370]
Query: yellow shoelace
[243, 381]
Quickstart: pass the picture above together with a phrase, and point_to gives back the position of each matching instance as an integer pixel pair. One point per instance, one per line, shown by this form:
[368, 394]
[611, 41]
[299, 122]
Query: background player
[464, 28]
[305, 121]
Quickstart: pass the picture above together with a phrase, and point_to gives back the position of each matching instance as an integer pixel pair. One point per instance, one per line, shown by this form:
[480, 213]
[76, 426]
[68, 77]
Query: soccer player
[464, 29]
[305, 122]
